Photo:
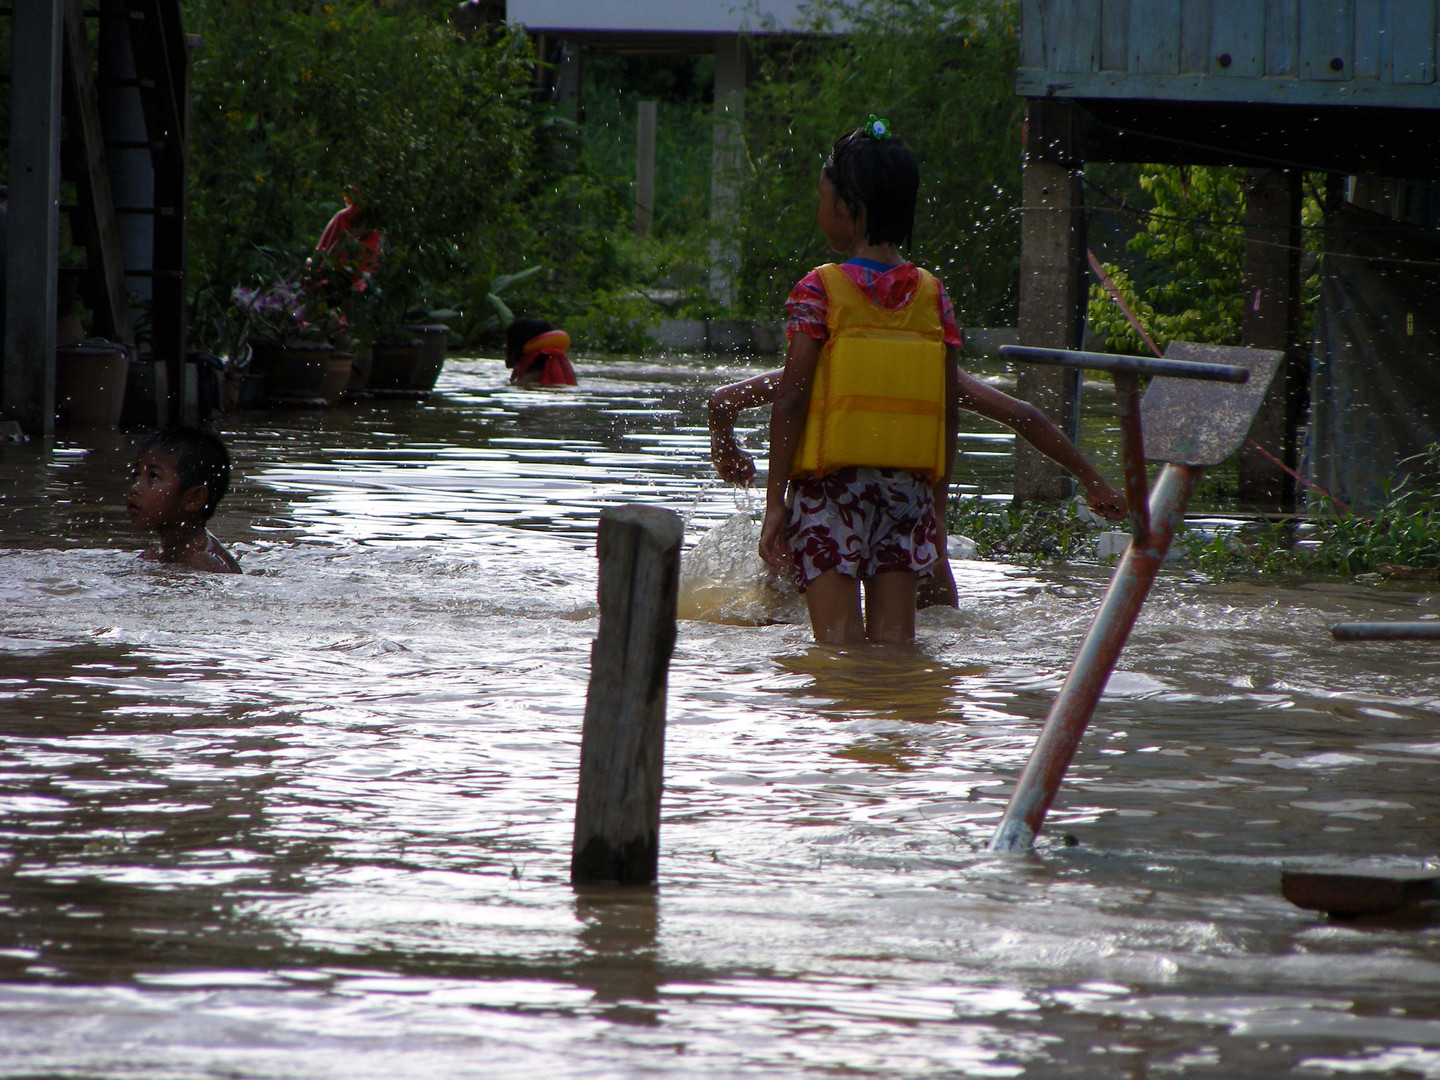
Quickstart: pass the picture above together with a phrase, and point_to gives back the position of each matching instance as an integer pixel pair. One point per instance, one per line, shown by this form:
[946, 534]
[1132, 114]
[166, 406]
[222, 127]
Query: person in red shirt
[351, 226]
[535, 353]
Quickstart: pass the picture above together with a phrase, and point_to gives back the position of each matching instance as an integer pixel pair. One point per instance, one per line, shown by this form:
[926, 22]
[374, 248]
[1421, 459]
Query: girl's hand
[733, 464]
[1105, 500]
[774, 544]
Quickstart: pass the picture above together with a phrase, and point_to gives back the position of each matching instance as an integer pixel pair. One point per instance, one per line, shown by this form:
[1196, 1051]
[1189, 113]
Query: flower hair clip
[877, 128]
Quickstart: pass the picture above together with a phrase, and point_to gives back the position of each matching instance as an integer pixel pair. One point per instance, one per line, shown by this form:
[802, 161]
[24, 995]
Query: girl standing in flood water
[863, 425]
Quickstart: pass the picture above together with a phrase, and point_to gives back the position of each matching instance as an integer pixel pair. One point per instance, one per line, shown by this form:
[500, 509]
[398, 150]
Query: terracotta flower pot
[293, 373]
[90, 383]
[392, 366]
[434, 341]
[360, 369]
[337, 376]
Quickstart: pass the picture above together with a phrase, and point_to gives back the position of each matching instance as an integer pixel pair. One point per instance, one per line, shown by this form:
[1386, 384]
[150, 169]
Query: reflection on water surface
[315, 821]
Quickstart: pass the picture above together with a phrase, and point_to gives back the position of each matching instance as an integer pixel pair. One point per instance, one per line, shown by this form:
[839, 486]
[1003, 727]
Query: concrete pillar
[1272, 321]
[33, 219]
[1053, 286]
[645, 168]
[726, 158]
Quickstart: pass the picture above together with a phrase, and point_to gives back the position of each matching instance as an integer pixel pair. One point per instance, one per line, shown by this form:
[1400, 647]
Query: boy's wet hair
[880, 175]
[200, 458]
[518, 333]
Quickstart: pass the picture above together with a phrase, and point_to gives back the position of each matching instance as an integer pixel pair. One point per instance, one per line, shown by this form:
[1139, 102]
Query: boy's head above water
[180, 476]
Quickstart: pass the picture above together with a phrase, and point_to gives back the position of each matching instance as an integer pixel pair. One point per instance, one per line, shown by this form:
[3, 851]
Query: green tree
[1189, 272]
[296, 102]
[1187, 280]
[942, 73]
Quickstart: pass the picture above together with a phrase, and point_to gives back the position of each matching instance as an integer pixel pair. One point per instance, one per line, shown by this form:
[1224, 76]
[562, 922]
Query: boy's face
[156, 498]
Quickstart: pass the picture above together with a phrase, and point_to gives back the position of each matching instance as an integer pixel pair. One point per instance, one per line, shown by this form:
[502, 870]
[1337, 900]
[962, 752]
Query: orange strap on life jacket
[552, 340]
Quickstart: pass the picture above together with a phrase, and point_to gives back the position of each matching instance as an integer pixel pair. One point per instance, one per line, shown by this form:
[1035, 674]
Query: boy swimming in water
[179, 477]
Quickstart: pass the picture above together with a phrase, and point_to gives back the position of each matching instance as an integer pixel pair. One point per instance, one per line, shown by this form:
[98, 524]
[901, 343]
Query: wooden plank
[1032, 32]
[1237, 39]
[1053, 285]
[27, 381]
[1233, 90]
[622, 744]
[1072, 36]
[1083, 35]
[1327, 39]
[1372, 44]
[1282, 41]
[162, 63]
[1195, 35]
[1114, 31]
[1271, 320]
[1411, 42]
[100, 232]
[1358, 891]
[1154, 37]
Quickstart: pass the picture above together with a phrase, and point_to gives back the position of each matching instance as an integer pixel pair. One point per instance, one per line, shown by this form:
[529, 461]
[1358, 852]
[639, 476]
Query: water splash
[723, 579]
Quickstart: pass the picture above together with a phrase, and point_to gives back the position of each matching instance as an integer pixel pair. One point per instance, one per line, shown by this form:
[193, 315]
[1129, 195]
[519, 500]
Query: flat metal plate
[1189, 422]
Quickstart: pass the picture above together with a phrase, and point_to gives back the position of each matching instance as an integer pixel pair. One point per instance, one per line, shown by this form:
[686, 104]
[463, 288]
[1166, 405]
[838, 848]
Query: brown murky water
[315, 821]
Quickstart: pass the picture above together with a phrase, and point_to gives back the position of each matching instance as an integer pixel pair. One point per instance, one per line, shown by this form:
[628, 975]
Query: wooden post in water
[622, 746]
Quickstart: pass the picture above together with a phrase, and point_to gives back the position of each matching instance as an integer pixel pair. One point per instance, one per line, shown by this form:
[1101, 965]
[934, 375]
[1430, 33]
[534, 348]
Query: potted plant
[287, 349]
[379, 317]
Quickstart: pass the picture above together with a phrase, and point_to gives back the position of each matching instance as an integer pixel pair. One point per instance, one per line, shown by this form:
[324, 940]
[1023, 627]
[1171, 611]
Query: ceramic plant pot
[90, 382]
[295, 373]
[392, 366]
[360, 369]
[434, 340]
[337, 376]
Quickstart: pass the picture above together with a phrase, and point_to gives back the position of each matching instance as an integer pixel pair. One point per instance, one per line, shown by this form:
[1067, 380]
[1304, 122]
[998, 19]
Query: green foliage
[1190, 263]
[1187, 281]
[1404, 532]
[942, 73]
[1027, 532]
[296, 102]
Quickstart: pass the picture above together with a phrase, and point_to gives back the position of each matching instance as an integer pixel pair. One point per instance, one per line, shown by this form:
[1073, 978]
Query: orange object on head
[557, 340]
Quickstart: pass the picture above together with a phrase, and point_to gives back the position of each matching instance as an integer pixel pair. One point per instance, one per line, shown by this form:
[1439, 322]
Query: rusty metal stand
[1192, 425]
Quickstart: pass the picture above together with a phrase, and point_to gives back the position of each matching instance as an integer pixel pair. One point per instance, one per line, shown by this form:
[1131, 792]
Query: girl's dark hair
[518, 333]
[200, 458]
[880, 175]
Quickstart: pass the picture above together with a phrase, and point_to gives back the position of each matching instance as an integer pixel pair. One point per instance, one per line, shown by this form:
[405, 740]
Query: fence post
[622, 745]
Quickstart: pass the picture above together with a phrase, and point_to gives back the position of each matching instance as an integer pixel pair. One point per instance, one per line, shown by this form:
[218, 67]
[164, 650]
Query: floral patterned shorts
[862, 522]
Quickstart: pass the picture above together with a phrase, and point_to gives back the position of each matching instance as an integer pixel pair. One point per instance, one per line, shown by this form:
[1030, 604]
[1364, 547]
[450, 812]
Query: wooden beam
[100, 232]
[33, 217]
[622, 747]
[1271, 320]
[162, 65]
[1053, 286]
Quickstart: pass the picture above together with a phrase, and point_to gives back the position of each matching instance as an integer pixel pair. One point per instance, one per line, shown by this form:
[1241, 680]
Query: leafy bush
[1027, 532]
[1187, 281]
[296, 102]
[942, 73]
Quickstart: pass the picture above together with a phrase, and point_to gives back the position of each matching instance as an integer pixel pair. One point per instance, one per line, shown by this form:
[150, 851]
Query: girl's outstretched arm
[1042, 433]
[787, 426]
[733, 464]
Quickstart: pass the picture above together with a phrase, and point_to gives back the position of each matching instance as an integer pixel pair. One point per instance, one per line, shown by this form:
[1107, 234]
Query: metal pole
[1071, 711]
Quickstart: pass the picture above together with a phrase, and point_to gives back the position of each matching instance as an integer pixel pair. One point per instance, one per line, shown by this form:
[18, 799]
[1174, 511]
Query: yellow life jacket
[878, 397]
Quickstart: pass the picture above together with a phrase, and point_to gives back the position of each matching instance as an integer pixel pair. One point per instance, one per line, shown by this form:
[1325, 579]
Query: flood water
[315, 821]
